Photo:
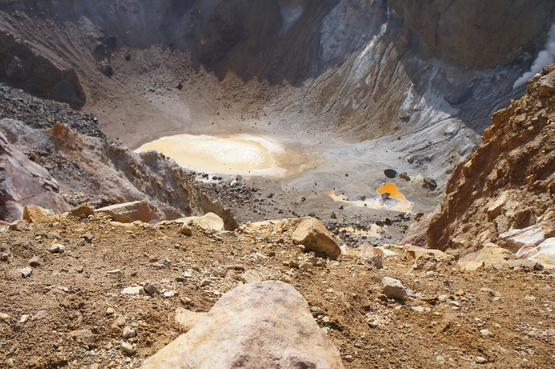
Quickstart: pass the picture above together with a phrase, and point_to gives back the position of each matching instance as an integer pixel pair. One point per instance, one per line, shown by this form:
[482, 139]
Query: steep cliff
[509, 182]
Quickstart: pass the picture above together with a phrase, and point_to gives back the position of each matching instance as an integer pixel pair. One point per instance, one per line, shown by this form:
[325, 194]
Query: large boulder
[491, 255]
[311, 233]
[23, 182]
[516, 239]
[258, 325]
[208, 221]
[543, 253]
[36, 215]
[128, 212]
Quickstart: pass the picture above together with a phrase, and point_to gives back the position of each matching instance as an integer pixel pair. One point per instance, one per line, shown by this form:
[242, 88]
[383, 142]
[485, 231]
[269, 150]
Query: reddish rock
[509, 182]
[24, 182]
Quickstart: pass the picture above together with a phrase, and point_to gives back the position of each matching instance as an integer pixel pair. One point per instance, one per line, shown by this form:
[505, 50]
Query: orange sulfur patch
[392, 190]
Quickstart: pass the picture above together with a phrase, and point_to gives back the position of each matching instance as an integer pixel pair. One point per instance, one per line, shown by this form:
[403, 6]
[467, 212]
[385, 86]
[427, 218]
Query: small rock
[55, 235]
[393, 288]
[440, 359]
[151, 289]
[35, 262]
[88, 237]
[25, 272]
[4, 256]
[486, 332]
[115, 272]
[127, 348]
[110, 311]
[40, 315]
[120, 321]
[56, 248]
[480, 360]
[135, 290]
[81, 211]
[5, 318]
[186, 230]
[128, 333]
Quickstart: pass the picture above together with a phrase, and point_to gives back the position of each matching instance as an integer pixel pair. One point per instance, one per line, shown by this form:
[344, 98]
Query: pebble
[40, 315]
[128, 333]
[4, 256]
[135, 290]
[443, 298]
[127, 348]
[285, 279]
[25, 272]
[116, 272]
[440, 359]
[151, 289]
[110, 311]
[56, 248]
[5, 317]
[35, 262]
[480, 360]
[186, 230]
[88, 237]
[393, 288]
[486, 332]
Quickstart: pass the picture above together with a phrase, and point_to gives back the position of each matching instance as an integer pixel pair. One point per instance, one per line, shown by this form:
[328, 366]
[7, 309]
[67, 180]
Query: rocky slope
[93, 293]
[351, 69]
[509, 182]
[67, 168]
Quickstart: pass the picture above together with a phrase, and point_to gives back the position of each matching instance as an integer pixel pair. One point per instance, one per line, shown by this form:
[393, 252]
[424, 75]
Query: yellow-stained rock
[311, 233]
[128, 212]
[36, 215]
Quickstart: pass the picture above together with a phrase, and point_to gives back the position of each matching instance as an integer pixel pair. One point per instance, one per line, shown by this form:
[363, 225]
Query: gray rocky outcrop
[24, 182]
[258, 325]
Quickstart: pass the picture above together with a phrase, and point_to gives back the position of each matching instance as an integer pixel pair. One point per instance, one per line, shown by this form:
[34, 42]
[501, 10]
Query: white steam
[545, 57]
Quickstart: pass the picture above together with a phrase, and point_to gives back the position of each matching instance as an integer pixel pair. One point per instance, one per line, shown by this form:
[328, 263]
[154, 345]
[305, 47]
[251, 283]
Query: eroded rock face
[509, 182]
[26, 68]
[89, 169]
[476, 33]
[258, 325]
[24, 182]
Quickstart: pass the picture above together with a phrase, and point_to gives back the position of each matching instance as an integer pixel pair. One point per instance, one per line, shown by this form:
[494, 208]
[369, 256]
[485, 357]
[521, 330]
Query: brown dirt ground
[67, 297]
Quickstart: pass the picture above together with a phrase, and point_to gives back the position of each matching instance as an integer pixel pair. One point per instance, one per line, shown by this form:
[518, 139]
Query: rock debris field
[88, 292]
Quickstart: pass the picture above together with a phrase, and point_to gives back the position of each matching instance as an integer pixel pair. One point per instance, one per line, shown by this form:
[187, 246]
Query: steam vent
[222, 184]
